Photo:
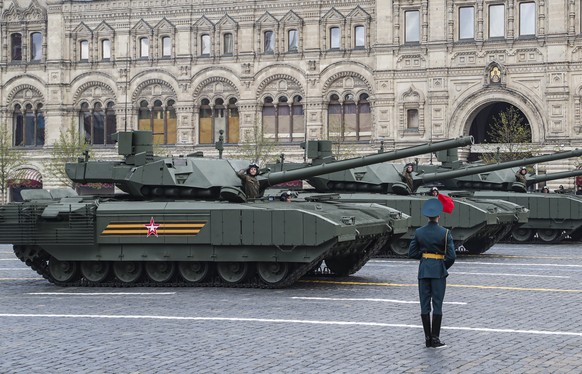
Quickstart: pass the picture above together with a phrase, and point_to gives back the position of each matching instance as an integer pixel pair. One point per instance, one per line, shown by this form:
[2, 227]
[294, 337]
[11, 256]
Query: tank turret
[144, 176]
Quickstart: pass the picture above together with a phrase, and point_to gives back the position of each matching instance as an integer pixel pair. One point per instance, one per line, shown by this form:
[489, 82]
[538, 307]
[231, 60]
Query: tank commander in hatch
[407, 176]
[520, 175]
[251, 186]
[433, 246]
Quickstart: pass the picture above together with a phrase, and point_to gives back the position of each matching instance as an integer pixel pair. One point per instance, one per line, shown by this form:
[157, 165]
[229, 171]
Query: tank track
[37, 260]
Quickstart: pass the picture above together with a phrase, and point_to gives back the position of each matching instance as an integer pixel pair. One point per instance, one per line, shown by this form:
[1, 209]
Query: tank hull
[476, 224]
[81, 241]
[553, 217]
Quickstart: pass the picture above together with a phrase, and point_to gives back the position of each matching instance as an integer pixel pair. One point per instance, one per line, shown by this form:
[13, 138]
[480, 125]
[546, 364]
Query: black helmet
[253, 165]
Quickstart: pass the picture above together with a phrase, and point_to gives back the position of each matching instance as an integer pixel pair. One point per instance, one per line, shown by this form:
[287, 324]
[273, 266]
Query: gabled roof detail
[333, 15]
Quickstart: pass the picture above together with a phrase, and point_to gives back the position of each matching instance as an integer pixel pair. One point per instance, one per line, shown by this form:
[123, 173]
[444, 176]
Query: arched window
[269, 42]
[269, 113]
[219, 116]
[159, 119]
[284, 120]
[28, 125]
[97, 125]
[16, 47]
[228, 47]
[36, 46]
[348, 118]
[334, 38]
[292, 40]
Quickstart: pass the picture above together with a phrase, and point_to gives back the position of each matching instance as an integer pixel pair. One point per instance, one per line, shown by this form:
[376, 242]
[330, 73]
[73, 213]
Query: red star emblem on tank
[152, 227]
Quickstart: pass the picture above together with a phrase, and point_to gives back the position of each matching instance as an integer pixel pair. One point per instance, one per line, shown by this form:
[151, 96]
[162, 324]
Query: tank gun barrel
[552, 176]
[330, 167]
[471, 170]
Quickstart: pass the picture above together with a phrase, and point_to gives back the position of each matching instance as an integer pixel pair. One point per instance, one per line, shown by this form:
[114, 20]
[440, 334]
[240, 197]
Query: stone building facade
[403, 72]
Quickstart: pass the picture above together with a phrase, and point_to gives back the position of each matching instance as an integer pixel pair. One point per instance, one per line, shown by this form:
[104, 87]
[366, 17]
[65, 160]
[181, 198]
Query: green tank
[552, 217]
[185, 221]
[476, 224]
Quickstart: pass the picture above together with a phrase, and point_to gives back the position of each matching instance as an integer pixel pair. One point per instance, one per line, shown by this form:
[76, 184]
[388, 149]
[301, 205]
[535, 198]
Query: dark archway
[482, 125]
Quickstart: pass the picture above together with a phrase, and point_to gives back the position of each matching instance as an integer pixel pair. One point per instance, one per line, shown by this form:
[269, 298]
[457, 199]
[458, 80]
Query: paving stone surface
[515, 309]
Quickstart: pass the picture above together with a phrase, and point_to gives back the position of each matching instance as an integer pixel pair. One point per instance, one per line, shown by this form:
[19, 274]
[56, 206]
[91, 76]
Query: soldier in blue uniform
[433, 246]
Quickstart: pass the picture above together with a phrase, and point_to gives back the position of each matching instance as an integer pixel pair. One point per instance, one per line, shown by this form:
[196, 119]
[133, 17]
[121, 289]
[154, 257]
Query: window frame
[144, 47]
[84, 50]
[522, 32]
[15, 57]
[103, 49]
[363, 44]
[166, 50]
[32, 44]
[408, 37]
[335, 40]
[460, 17]
[291, 48]
[490, 21]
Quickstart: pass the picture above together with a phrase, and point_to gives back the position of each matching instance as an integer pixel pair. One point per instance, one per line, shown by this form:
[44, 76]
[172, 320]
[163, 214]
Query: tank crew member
[433, 246]
[285, 196]
[407, 176]
[250, 182]
[520, 175]
[434, 192]
[579, 190]
[545, 190]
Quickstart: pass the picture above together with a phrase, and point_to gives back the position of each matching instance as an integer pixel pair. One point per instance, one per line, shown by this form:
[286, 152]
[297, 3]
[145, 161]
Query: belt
[433, 255]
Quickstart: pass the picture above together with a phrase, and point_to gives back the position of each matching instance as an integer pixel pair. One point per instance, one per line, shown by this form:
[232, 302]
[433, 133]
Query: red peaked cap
[448, 203]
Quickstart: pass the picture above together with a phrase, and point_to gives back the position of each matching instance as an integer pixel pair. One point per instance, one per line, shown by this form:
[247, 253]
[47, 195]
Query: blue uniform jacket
[430, 238]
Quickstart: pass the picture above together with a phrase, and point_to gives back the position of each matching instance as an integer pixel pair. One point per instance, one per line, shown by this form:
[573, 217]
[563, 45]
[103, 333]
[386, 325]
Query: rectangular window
[84, 50]
[228, 44]
[359, 37]
[205, 45]
[16, 47]
[269, 42]
[144, 47]
[412, 23]
[467, 22]
[334, 36]
[293, 42]
[106, 49]
[166, 46]
[496, 21]
[527, 19]
[36, 46]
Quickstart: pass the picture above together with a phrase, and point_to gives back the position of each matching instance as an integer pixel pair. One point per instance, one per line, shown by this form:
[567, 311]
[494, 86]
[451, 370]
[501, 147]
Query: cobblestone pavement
[515, 309]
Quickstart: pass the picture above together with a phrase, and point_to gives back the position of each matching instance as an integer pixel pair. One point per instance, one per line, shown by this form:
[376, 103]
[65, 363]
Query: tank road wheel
[193, 271]
[233, 272]
[272, 272]
[160, 271]
[522, 235]
[95, 271]
[127, 271]
[400, 247]
[549, 236]
[63, 271]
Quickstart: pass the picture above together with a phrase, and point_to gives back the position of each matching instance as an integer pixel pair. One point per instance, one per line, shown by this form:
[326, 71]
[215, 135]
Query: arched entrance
[23, 179]
[500, 122]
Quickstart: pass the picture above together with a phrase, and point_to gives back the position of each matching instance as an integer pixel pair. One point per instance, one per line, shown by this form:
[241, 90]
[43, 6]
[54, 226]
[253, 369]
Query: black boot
[426, 326]
[436, 330]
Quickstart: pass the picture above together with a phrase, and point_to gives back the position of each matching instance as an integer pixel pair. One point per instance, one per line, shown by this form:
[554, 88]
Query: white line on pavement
[98, 293]
[511, 275]
[9, 259]
[290, 321]
[377, 300]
